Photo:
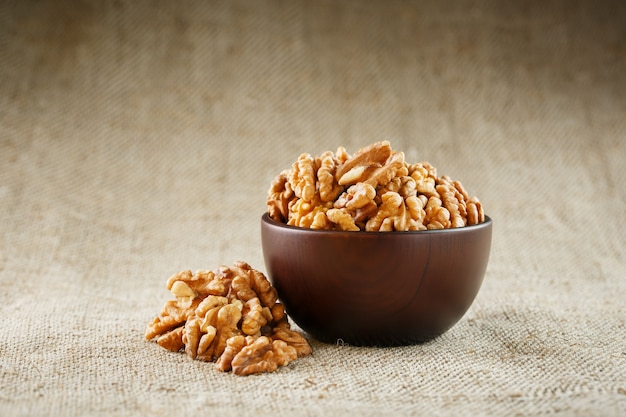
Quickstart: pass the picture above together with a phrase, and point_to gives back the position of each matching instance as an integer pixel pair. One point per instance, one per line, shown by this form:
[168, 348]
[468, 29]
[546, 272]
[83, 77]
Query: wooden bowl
[375, 288]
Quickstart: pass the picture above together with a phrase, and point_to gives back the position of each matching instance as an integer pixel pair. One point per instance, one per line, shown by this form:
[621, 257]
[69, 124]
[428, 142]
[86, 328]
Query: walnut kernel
[216, 314]
[342, 192]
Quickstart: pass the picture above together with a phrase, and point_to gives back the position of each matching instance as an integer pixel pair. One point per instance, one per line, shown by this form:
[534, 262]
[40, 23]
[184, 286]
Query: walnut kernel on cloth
[375, 189]
[230, 316]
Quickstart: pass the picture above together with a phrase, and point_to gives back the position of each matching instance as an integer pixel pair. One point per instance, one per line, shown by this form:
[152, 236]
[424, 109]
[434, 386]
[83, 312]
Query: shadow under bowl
[375, 288]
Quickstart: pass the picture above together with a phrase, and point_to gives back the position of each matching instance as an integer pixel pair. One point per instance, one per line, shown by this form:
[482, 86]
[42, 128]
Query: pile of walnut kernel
[373, 190]
[230, 316]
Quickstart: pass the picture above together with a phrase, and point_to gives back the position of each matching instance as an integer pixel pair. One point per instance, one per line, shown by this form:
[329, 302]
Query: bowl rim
[265, 218]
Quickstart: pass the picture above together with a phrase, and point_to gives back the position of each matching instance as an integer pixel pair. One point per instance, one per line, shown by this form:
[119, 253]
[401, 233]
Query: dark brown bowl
[375, 288]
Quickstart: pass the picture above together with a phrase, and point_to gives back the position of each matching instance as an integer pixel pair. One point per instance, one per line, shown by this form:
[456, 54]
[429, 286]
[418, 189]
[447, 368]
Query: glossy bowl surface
[375, 288]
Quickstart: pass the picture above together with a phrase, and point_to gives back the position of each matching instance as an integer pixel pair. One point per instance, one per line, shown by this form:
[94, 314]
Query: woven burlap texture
[139, 138]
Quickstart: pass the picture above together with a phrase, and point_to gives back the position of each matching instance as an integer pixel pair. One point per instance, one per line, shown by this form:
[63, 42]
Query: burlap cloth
[138, 139]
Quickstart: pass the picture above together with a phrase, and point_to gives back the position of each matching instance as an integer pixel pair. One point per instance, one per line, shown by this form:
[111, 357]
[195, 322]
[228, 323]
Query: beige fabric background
[139, 138]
